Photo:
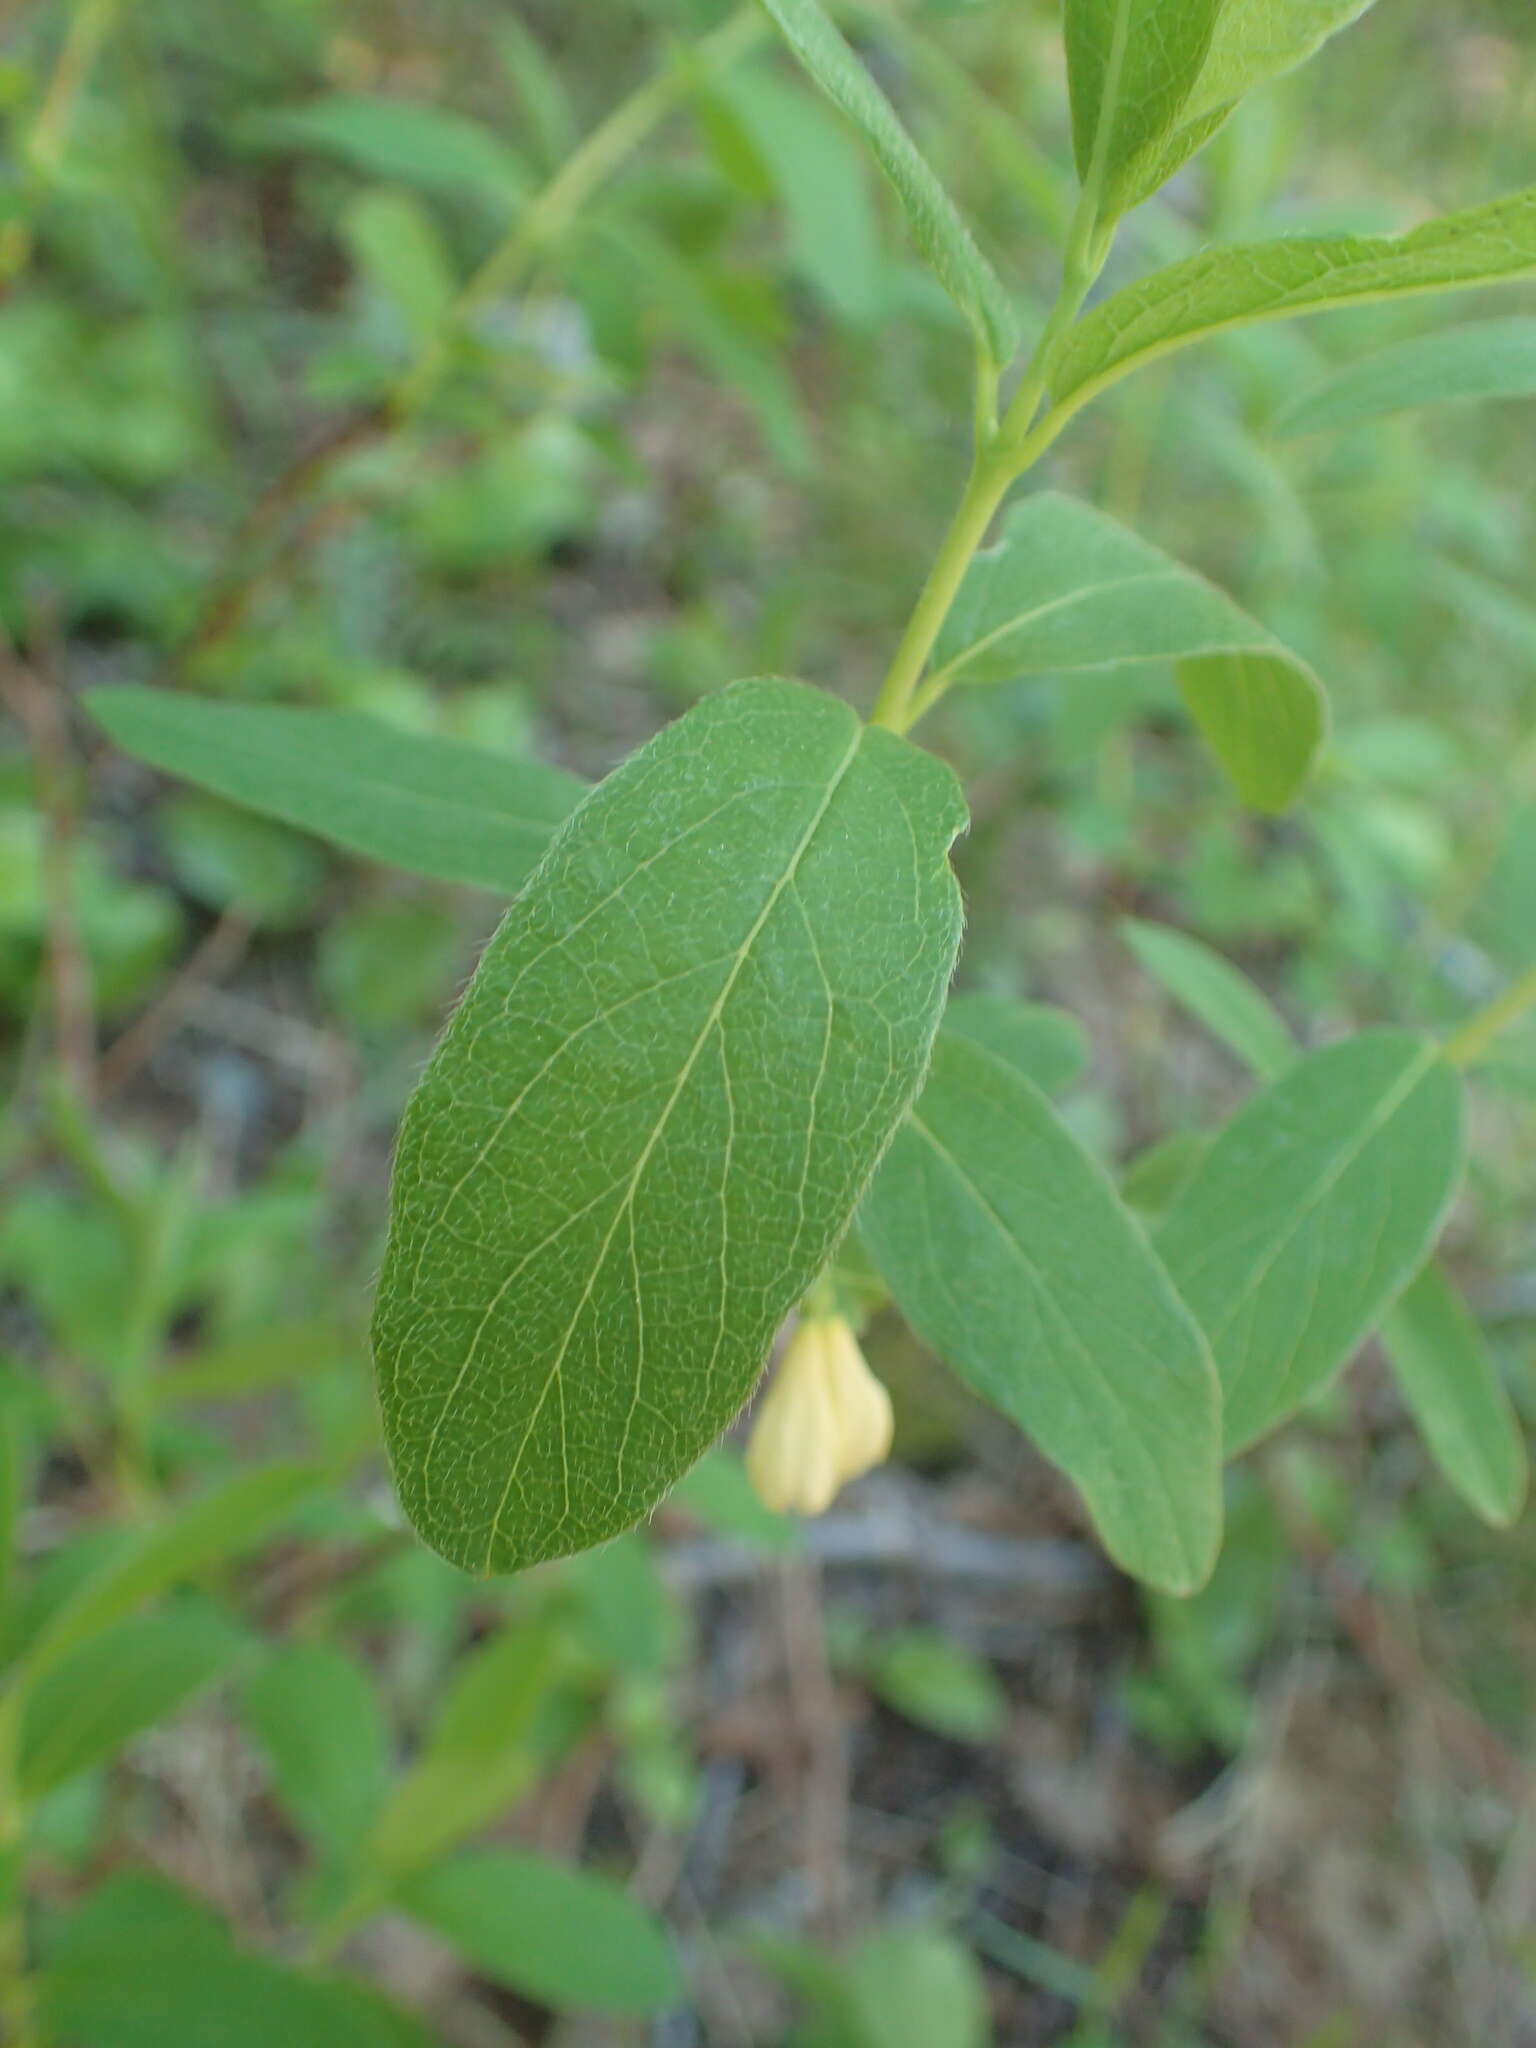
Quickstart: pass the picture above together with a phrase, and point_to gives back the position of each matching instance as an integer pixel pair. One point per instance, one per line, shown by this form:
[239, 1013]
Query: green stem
[1003, 455]
[17, 2022]
[989, 484]
[1477, 1036]
[49, 134]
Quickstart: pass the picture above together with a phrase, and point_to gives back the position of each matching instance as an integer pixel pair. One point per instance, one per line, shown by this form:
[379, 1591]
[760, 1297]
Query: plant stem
[1003, 454]
[17, 2026]
[1477, 1036]
[989, 484]
[49, 134]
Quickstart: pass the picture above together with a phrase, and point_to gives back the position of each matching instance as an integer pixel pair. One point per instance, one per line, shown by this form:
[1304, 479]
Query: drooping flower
[825, 1420]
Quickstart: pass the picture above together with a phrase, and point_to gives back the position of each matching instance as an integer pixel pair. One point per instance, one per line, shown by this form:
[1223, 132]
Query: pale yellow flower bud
[825, 1419]
[864, 1417]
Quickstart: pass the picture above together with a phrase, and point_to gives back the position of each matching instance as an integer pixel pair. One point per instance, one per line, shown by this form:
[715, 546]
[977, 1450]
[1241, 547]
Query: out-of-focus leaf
[1311, 1213]
[315, 1712]
[569, 1938]
[1489, 359]
[933, 1681]
[1226, 1001]
[396, 246]
[405, 141]
[140, 1965]
[116, 1684]
[1452, 1385]
[1047, 1045]
[946, 242]
[417, 802]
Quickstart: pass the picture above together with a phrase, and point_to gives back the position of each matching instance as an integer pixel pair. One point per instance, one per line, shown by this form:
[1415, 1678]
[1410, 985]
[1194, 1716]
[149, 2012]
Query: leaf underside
[648, 1124]
[1311, 1213]
[1009, 1253]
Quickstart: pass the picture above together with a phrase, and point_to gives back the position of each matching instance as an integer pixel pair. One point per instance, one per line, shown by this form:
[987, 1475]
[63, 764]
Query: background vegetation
[322, 383]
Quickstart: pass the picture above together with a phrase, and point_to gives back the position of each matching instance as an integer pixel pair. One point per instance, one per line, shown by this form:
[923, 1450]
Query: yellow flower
[825, 1419]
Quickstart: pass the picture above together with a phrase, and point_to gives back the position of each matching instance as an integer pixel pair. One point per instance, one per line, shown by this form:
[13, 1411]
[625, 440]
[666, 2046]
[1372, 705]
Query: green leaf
[1452, 1385]
[568, 1938]
[1047, 1045]
[140, 1965]
[908, 1984]
[114, 1686]
[930, 1679]
[480, 1754]
[1225, 288]
[718, 1493]
[1009, 1253]
[395, 244]
[192, 1537]
[1177, 100]
[1131, 68]
[1225, 1001]
[652, 1116]
[1068, 589]
[945, 241]
[316, 1715]
[408, 142]
[430, 805]
[1310, 1214]
[1488, 359]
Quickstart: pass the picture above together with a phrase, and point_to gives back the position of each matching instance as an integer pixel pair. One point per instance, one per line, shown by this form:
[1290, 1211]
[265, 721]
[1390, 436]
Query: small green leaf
[408, 142]
[568, 1938]
[945, 241]
[653, 1114]
[1452, 1385]
[480, 1754]
[1310, 1214]
[1489, 359]
[1008, 1251]
[1047, 1045]
[140, 1965]
[315, 1713]
[200, 1533]
[429, 805]
[930, 1679]
[1225, 1001]
[1069, 589]
[1224, 288]
[1131, 68]
[718, 1493]
[111, 1688]
[908, 1984]
[396, 246]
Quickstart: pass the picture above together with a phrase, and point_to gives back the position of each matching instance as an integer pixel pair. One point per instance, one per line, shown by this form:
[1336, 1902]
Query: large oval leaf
[1311, 1213]
[647, 1126]
[1008, 1251]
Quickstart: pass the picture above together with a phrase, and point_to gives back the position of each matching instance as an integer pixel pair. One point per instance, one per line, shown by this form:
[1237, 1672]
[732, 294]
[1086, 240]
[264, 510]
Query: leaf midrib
[711, 1023]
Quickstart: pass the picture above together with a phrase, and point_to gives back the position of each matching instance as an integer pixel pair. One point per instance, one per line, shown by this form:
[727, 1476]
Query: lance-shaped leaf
[1452, 1385]
[1131, 67]
[429, 805]
[1226, 1002]
[1311, 1213]
[646, 1128]
[1067, 589]
[1487, 359]
[1226, 288]
[1008, 1251]
[946, 243]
